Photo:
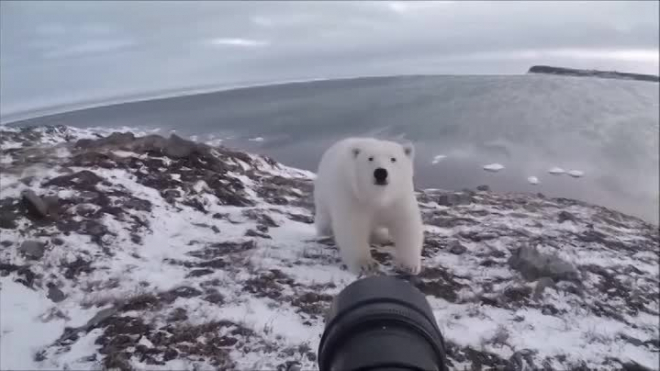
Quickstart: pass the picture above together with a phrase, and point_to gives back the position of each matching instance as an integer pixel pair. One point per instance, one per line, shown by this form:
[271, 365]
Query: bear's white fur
[352, 208]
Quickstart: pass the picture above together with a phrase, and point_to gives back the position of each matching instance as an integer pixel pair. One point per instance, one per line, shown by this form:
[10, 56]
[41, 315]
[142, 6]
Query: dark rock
[180, 292]
[454, 199]
[84, 180]
[631, 340]
[170, 354]
[533, 265]
[653, 343]
[178, 147]
[478, 236]
[631, 269]
[549, 310]
[84, 143]
[178, 314]
[55, 294]
[516, 294]
[488, 263]
[570, 288]
[27, 276]
[253, 233]
[260, 218]
[11, 211]
[6, 243]
[52, 203]
[564, 216]
[443, 200]
[468, 192]
[449, 221]
[200, 272]
[140, 302]
[77, 267]
[99, 318]
[633, 366]
[455, 247]
[95, 228]
[521, 360]
[290, 366]
[301, 218]
[196, 204]
[170, 195]
[541, 284]
[115, 139]
[215, 297]
[312, 303]
[5, 269]
[57, 241]
[483, 188]
[86, 210]
[438, 283]
[215, 229]
[8, 220]
[136, 239]
[150, 143]
[33, 249]
[138, 204]
[35, 205]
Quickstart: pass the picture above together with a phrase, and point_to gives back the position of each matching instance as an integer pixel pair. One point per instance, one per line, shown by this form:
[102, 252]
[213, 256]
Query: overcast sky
[66, 52]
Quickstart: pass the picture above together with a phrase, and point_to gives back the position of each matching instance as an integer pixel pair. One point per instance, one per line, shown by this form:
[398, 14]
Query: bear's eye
[371, 158]
[393, 159]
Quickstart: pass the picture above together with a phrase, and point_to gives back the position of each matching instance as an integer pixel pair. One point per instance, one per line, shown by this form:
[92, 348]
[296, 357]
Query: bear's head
[383, 170]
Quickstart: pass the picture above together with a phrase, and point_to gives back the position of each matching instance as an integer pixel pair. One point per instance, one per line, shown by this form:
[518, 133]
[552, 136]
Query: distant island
[592, 73]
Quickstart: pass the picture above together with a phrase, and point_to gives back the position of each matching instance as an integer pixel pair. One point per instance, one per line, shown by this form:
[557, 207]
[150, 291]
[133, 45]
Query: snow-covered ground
[164, 254]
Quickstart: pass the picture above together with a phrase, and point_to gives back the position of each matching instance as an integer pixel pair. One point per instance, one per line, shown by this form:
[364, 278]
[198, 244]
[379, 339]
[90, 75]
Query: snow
[257, 139]
[173, 232]
[495, 167]
[121, 153]
[25, 327]
[556, 171]
[576, 173]
[438, 158]
[533, 180]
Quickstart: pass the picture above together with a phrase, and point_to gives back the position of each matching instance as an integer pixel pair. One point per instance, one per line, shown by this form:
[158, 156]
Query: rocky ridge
[593, 73]
[144, 252]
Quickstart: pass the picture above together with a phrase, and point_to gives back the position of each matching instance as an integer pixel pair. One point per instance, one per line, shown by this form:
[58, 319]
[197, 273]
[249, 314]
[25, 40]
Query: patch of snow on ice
[438, 158]
[495, 167]
[533, 180]
[556, 171]
[576, 173]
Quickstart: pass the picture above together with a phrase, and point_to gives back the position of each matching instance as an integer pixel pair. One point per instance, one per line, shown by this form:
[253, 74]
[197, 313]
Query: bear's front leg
[407, 231]
[352, 231]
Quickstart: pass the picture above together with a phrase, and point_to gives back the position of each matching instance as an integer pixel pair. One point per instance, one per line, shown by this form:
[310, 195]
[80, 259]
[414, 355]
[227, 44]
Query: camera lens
[381, 323]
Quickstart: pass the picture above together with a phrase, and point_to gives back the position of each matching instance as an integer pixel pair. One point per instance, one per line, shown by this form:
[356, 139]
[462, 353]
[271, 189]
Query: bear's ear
[356, 152]
[409, 149]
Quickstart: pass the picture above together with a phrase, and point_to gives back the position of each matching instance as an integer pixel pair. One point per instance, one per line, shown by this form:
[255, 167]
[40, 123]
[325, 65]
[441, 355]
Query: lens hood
[381, 323]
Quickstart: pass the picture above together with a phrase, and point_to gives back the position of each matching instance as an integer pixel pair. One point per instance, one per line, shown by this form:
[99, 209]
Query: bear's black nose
[381, 175]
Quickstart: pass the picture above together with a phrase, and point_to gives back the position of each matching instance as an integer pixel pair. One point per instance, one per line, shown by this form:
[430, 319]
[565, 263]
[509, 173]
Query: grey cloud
[97, 49]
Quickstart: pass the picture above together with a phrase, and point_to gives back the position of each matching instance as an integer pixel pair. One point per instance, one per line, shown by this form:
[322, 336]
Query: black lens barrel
[381, 323]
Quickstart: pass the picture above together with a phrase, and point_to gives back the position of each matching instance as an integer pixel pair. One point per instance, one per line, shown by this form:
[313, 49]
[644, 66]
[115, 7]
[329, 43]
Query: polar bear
[364, 190]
